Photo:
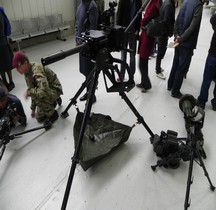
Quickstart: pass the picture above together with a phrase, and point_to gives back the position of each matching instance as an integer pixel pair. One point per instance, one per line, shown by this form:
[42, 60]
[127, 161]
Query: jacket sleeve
[195, 21]
[93, 18]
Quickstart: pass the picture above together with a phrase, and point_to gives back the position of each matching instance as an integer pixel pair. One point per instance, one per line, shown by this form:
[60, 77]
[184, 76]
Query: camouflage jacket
[42, 83]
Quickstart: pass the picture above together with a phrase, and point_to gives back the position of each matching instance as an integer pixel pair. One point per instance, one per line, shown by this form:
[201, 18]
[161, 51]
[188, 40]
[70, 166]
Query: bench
[34, 27]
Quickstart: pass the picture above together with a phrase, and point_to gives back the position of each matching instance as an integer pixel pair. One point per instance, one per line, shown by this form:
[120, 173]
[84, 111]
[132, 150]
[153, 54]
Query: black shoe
[59, 101]
[178, 95]
[140, 85]
[144, 90]
[54, 117]
[214, 107]
[84, 97]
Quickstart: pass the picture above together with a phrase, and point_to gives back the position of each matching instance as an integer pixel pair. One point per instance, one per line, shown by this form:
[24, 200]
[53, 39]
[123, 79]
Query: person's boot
[54, 117]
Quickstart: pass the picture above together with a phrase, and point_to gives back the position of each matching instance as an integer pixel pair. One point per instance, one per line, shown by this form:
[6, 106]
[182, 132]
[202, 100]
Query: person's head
[3, 98]
[21, 62]
[213, 21]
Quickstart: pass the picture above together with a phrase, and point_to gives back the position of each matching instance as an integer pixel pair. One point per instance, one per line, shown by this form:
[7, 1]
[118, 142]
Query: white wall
[19, 9]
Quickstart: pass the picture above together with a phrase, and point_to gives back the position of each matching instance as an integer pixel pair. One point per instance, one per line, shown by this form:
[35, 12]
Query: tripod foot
[212, 188]
[64, 115]
[153, 167]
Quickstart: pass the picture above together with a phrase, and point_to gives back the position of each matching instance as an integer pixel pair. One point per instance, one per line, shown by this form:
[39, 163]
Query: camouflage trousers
[45, 106]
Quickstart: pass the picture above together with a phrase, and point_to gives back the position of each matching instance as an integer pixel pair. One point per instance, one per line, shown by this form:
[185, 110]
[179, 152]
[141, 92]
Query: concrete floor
[35, 168]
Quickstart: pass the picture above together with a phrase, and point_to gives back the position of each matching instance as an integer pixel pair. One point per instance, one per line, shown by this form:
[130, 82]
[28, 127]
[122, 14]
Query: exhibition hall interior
[41, 170]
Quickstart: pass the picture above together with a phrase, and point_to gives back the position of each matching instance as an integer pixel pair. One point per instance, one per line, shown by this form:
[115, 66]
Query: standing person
[146, 44]
[6, 54]
[43, 85]
[209, 71]
[131, 7]
[167, 17]
[186, 31]
[86, 19]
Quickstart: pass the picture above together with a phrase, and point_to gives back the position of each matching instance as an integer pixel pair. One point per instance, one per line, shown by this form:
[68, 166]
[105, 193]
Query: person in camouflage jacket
[44, 87]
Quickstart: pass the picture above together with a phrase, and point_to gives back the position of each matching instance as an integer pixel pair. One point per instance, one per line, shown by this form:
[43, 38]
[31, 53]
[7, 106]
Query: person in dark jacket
[129, 7]
[6, 54]
[146, 44]
[210, 71]
[167, 17]
[10, 102]
[186, 31]
[86, 19]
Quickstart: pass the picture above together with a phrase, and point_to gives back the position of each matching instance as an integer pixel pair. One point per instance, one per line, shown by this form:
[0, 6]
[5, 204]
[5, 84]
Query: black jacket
[123, 13]
[167, 16]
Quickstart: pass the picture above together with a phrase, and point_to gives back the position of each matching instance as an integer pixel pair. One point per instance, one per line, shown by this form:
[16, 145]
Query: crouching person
[43, 85]
[11, 106]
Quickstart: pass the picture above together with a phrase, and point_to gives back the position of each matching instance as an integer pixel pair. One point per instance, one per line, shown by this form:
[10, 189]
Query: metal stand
[194, 153]
[189, 148]
[109, 71]
[7, 137]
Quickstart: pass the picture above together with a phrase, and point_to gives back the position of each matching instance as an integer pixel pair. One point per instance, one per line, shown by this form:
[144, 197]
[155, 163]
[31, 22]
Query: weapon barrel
[61, 55]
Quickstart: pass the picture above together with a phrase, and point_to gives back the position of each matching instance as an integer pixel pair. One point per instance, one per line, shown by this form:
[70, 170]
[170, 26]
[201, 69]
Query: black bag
[101, 137]
[155, 28]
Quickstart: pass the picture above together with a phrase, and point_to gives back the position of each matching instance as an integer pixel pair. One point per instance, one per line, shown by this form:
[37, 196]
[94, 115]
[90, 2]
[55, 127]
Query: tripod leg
[2, 151]
[212, 187]
[139, 117]
[75, 160]
[189, 181]
[73, 100]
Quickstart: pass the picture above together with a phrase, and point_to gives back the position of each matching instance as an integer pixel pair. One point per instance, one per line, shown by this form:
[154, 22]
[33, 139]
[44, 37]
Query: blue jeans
[208, 76]
[130, 41]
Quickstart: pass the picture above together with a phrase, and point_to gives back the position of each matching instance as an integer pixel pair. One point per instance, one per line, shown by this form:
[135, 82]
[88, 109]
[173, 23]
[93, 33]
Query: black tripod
[172, 149]
[7, 137]
[193, 134]
[104, 63]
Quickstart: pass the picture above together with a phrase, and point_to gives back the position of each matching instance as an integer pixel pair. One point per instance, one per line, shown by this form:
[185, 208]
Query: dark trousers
[162, 47]
[143, 65]
[208, 76]
[131, 42]
[86, 66]
[181, 63]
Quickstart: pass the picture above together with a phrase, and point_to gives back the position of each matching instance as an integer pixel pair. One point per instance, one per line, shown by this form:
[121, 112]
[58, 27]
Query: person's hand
[177, 39]
[33, 113]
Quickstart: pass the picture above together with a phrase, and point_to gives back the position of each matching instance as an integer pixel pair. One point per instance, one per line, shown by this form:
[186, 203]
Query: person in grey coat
[86, 19]
[186, 31]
